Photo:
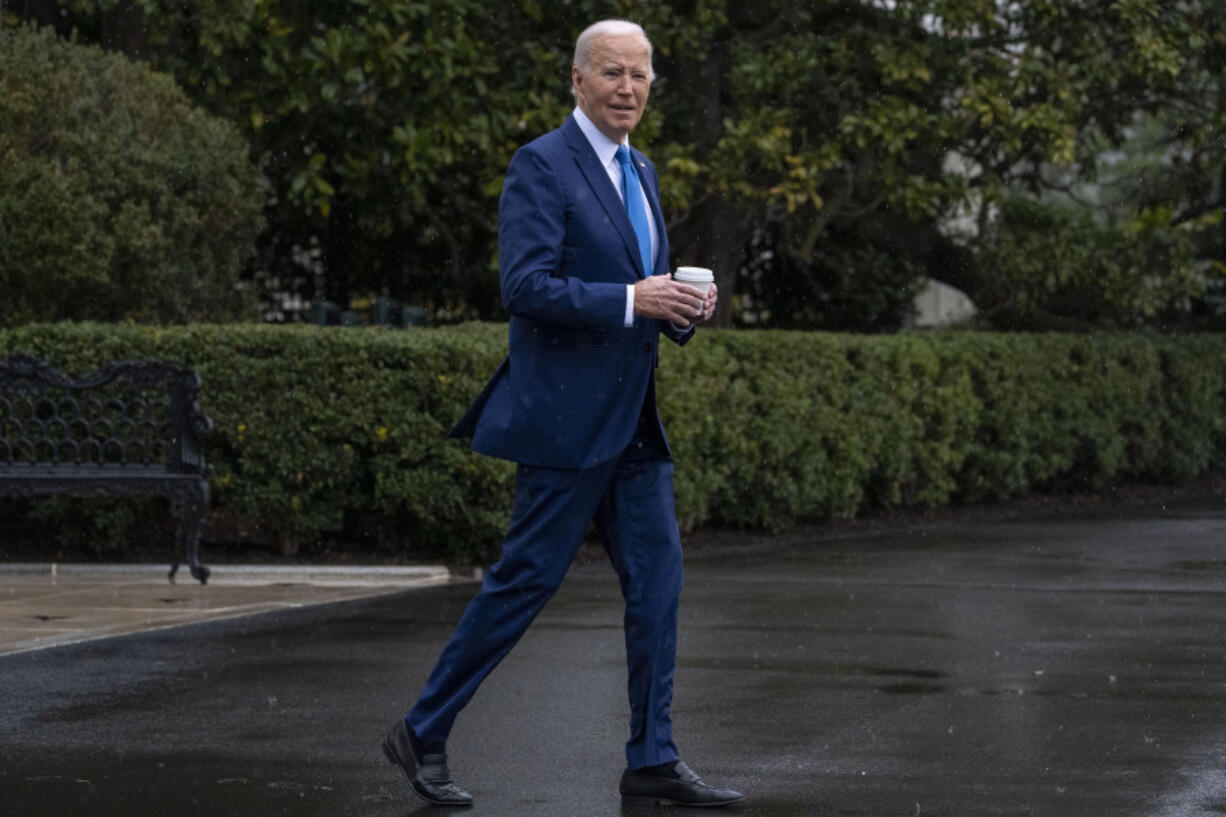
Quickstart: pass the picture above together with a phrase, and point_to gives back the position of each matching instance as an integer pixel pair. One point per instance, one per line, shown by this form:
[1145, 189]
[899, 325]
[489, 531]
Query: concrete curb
[325, 575]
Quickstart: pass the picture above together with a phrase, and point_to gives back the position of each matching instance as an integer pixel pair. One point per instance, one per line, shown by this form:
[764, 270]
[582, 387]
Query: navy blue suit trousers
[630, 499]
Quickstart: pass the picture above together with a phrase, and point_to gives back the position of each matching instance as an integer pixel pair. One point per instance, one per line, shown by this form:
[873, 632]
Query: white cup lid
[694, 274]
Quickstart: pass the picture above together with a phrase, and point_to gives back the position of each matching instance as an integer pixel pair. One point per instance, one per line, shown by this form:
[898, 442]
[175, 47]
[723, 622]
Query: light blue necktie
[633, 196]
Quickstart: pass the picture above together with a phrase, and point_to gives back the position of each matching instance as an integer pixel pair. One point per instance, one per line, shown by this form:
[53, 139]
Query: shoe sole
[664, 801]
[390, 754]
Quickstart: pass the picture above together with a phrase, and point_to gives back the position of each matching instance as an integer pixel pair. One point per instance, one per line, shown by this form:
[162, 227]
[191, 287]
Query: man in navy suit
[584, 272]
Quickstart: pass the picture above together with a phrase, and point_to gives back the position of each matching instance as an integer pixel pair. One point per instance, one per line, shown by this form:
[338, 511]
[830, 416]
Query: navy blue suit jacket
[570, 392]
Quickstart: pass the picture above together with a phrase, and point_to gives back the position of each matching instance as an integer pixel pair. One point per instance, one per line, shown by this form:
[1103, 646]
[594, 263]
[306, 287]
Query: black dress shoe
[427, 774]
[687, 789]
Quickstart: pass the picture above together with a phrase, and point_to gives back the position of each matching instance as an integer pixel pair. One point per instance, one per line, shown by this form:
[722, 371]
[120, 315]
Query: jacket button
[646, 347]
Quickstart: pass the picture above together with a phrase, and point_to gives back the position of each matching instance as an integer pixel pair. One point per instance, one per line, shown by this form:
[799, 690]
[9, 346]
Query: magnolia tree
[821, 156]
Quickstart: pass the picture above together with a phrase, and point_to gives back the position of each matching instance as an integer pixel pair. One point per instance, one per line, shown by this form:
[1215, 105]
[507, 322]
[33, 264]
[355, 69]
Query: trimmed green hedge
[768, 427]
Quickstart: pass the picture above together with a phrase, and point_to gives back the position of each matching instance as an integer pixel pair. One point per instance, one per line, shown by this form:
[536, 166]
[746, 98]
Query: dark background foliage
[821, 156]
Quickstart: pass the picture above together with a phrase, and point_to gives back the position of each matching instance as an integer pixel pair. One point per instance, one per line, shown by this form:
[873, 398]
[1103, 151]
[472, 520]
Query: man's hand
[708, 309]
[708, 305]
[659, 296]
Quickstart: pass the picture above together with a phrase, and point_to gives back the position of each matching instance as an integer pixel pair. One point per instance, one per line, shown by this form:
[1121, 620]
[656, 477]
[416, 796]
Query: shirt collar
[605, 147]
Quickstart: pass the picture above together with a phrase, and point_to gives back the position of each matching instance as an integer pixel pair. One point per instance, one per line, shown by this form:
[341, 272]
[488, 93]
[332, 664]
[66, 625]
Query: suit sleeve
[678, 336]
[531, 235]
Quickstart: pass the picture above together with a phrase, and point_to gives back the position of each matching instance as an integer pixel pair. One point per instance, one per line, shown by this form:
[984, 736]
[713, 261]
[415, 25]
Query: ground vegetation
[347, 434]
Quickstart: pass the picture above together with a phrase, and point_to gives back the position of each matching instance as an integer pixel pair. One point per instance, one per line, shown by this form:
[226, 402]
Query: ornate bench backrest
[136, 412]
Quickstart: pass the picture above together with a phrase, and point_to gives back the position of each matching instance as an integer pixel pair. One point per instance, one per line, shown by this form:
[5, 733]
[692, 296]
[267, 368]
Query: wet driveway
[1071, 666]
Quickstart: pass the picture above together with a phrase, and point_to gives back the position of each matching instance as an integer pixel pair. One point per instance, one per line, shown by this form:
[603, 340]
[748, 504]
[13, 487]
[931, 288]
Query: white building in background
[939, 304]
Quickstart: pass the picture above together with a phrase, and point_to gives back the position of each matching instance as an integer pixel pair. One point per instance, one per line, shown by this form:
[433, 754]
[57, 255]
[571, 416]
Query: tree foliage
[873, 127]
[831, 152]
[118, 199]
[384, 127]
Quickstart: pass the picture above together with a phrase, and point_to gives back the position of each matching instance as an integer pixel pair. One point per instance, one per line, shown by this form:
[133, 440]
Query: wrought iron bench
[130, 429]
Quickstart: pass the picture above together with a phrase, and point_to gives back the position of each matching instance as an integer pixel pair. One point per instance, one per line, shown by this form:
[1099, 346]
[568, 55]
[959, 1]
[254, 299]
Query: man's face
[612, 88]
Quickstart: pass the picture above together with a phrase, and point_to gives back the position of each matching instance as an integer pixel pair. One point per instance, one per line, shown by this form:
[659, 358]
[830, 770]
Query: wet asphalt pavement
[1069, 666]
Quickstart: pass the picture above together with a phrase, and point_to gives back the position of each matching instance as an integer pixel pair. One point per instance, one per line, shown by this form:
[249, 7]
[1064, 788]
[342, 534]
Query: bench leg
[189, 502]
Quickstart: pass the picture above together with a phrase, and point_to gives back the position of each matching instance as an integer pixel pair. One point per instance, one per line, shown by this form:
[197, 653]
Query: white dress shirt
[606, 152]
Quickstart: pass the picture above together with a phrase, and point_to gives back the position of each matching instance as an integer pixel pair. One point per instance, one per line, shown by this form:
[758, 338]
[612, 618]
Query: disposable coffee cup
[699, 277]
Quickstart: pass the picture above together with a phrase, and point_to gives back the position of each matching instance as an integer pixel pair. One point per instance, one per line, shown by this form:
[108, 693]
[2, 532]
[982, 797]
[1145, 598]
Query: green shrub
[768, 428]
[1145, 266]
[311, 423]
[118, 199]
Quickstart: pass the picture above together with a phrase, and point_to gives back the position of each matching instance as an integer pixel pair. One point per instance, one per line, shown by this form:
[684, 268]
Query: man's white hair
[604, 28]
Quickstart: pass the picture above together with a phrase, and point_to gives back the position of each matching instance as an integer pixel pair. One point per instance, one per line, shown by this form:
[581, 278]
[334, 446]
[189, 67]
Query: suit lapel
[653, 197]
[598, 180]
